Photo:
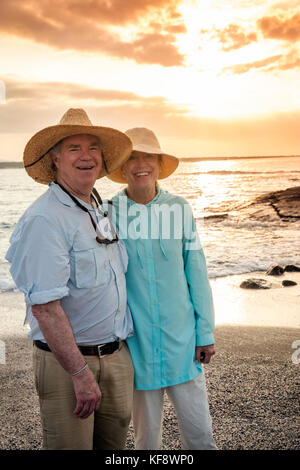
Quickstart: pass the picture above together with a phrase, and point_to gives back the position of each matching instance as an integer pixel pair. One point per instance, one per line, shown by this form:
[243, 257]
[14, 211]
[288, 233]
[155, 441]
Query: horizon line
[234, 157]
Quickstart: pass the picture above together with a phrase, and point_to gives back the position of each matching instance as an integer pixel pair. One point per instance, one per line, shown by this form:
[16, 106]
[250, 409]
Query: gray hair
[56, 151]
[57, 148]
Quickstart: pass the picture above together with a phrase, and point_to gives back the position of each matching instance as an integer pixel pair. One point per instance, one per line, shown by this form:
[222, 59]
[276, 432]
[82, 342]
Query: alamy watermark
[157, 222]
[296, 354]
[2, 92]
[2, 353]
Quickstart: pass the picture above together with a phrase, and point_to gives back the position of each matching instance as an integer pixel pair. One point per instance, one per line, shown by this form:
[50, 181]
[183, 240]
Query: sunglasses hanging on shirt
[98, 201]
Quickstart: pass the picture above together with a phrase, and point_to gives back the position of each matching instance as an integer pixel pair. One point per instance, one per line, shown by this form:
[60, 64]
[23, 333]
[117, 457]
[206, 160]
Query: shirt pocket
[90, 266]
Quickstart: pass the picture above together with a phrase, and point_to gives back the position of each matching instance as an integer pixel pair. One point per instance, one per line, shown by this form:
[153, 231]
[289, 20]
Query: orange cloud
[31, 107]
[279, 27]
[288, 62]
[258, 64]
[88, 27]
[116, 12]
[274, 63]
[232, 37]
[22, 91]
[41, 93]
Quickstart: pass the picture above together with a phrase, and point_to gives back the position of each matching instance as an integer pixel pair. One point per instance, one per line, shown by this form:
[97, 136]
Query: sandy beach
[251, 381]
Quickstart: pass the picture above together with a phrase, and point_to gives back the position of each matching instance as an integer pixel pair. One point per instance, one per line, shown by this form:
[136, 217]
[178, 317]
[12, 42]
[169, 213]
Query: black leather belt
[98, 350]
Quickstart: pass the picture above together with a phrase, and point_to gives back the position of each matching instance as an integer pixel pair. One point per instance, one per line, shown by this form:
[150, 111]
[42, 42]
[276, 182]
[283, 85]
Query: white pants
[191, 406]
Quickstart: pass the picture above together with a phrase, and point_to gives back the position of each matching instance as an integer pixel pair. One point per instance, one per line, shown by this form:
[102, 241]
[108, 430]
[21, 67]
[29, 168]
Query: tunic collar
[154, 200]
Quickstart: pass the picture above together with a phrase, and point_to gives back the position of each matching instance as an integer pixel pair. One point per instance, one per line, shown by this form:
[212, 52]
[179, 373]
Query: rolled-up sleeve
[198, 282]
[39, 257]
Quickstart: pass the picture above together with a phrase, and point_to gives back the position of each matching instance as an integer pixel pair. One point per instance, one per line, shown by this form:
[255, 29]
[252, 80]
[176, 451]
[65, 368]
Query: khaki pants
[107, 428]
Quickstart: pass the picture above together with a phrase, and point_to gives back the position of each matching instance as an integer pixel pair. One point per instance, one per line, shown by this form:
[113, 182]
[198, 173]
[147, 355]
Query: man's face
[141, 170]
[79, 161]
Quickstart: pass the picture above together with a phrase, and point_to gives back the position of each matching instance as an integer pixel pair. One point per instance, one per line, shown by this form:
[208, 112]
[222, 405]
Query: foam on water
[7, 285]
[235, 242]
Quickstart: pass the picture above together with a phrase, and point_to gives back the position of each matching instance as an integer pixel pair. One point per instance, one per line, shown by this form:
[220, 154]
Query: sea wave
[243, 221]
[249, 225]
[246, 265]
[7, 285]
[240, 172]
[7, 225]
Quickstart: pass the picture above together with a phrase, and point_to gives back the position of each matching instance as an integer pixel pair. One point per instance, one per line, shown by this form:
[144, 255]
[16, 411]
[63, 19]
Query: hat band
[31, 164]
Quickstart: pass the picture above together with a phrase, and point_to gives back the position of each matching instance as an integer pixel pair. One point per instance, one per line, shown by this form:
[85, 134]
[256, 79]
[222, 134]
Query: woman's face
[141, 170]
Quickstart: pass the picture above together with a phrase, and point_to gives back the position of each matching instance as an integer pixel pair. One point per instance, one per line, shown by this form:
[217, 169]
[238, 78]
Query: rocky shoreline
[285, 203]
[283, 206]
[277, 270]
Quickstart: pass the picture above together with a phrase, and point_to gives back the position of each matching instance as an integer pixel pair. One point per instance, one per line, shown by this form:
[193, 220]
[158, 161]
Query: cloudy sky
[210, 77]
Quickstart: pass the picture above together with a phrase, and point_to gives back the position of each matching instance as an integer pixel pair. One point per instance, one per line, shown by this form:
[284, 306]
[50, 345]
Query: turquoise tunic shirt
[168, 290]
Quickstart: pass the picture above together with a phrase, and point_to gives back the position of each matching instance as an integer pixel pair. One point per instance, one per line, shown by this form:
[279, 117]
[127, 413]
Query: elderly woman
[169, 297]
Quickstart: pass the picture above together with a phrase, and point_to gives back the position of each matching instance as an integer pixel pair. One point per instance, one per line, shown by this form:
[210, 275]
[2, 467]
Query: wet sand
[278, 306]
[251, 381]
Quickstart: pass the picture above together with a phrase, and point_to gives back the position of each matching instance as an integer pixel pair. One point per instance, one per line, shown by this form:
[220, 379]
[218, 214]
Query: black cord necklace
[98, 201]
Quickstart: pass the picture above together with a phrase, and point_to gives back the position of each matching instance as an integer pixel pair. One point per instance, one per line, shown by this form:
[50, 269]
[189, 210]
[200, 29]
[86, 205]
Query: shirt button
[151, 279]
[149, 256]
[155, 326]
[154, 302]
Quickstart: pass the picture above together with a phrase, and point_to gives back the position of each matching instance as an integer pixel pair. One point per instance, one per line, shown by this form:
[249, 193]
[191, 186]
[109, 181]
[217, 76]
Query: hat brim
[116, 146]
[168, 165]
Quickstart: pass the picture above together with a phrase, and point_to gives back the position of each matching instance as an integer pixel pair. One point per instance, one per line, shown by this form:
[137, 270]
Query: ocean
[234, 240]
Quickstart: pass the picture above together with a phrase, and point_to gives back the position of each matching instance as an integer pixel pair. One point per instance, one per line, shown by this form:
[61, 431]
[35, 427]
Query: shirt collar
[61, 195]
[64, 198]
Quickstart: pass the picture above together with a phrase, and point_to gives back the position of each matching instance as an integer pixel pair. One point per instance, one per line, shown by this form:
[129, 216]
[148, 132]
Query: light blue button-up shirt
[167, 288]
[54, 255]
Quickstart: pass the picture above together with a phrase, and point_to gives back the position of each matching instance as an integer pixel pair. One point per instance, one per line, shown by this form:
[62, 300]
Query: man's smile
[85, 167]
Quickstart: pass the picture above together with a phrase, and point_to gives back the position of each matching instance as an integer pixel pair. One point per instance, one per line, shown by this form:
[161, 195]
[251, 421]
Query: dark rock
[216, 217]
[283, 205]
[275, 271]
[286, 203]
[255, 284]
[287, 283]
[292, 268]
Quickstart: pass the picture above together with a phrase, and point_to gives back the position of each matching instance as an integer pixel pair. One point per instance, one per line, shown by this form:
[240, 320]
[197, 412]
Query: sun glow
[187, 64]
[206, 86]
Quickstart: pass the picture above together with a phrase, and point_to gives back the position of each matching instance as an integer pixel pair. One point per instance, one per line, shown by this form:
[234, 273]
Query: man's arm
[57, 331]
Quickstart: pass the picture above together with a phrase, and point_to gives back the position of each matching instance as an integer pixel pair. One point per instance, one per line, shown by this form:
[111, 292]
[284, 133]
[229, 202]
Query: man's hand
[87, 393]
[204, 353]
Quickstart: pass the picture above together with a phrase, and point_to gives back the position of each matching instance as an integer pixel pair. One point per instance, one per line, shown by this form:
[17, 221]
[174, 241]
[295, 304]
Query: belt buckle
[99, 350]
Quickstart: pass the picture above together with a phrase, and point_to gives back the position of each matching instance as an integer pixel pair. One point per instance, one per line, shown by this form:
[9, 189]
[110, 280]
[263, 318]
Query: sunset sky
[210, 77]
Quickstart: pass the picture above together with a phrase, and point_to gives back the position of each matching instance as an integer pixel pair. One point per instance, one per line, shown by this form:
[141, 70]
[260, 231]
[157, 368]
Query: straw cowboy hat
[144, 140]
[116, 146]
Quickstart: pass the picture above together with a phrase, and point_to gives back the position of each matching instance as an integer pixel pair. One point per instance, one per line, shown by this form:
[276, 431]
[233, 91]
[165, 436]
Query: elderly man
[73, 276]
